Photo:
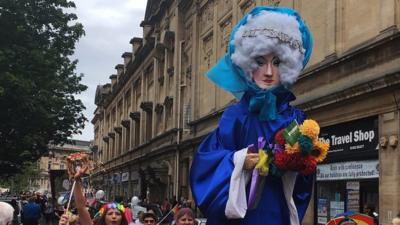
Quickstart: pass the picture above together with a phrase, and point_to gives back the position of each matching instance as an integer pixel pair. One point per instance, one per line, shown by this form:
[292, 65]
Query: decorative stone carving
[105, 138]
[126, 123]
[135, 116]
[188, 33]
[167, 38]
[225, 30]
[118, 130]
[111, 135]
[168, 101]
[207, 50]
[159, 108]
[119, 68]
[170, 71]
[147, 106]
[207, 17]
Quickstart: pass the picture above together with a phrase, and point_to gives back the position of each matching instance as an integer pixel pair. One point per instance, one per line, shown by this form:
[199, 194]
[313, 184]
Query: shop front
[125, 185]
[349, 179]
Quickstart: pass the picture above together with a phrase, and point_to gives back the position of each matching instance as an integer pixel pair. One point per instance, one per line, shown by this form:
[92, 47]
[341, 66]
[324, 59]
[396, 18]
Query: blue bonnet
[263, 30]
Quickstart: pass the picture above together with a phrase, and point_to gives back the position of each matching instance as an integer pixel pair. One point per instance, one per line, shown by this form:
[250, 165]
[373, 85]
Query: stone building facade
[158, 106]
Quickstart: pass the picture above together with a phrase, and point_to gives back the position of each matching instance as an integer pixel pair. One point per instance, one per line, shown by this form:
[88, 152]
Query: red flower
[281, 160]
[279, 139]
[295, 162]
[310, 166]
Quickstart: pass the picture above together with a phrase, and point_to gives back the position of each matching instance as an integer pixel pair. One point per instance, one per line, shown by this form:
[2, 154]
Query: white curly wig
[248, 47]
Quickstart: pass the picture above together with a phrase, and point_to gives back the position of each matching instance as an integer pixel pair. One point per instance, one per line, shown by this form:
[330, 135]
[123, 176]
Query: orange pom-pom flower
[310, 128]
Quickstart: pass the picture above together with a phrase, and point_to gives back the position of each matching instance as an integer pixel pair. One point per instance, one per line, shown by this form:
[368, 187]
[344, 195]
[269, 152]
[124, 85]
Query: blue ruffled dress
[213, 165]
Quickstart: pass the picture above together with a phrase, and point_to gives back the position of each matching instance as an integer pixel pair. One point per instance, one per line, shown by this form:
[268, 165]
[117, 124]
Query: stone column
[389, 165]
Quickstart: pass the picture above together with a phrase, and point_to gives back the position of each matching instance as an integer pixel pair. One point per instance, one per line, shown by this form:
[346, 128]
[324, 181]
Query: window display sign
[353, 196]
[354, 136]
[322, 210]
[348, 170]
[336, 208]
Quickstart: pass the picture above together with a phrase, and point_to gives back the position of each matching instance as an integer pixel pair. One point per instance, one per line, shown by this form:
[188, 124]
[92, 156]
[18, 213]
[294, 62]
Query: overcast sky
[109, 25]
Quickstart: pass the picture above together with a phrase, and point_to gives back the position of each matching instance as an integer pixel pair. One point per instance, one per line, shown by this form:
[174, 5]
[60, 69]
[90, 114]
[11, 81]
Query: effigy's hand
[251, 161]
[63, 220]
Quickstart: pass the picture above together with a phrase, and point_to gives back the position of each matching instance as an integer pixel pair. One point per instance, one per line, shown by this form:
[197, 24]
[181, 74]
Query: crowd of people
[31, 208]
[38, 209]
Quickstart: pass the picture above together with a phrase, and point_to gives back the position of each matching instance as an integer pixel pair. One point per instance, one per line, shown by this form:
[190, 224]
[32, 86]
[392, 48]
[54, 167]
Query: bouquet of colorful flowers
[295, 148]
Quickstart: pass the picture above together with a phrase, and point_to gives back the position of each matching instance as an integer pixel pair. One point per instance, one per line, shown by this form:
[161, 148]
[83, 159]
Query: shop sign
[353, 185]
[348, 170]
[125, 177]
[355, 136]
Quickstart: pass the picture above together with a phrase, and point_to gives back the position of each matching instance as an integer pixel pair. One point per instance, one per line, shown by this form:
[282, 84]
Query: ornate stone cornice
[126, 54]
[135, 115]
[111, 135]
[126, 123]
[130, 69]
[147, 106]
[118, 129]
[105, 138]
[308, 103]
[154, 10]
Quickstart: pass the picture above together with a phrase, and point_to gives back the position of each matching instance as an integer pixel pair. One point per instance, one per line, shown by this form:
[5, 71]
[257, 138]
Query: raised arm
[80, 202]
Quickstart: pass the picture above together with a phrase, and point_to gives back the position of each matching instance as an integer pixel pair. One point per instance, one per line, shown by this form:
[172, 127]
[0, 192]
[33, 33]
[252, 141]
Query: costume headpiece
[264, 30]
[113, 205]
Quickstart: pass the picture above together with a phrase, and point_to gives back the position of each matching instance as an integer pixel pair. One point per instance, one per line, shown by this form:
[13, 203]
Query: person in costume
[267, 51]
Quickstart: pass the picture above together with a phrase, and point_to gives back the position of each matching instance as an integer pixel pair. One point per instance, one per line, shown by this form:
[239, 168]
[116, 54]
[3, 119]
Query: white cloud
[109, 26]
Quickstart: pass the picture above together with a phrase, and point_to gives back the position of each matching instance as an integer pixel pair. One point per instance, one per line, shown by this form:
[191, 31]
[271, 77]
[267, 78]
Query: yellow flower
[320, 150]
[262, 164]
[292, 148]
[310, 128]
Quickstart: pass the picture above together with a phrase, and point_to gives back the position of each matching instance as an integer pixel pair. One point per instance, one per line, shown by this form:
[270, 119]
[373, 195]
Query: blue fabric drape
[213, 165]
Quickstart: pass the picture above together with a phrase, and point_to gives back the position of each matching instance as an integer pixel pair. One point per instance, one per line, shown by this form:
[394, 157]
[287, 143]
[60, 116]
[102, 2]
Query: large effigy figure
[267, 51]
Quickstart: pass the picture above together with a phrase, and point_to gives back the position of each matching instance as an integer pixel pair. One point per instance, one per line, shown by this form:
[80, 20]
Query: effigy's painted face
[267, 75]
